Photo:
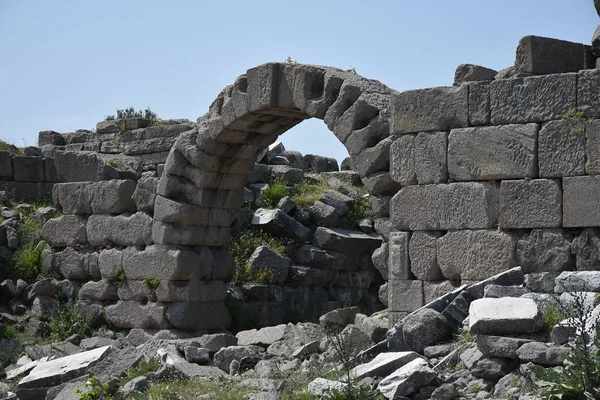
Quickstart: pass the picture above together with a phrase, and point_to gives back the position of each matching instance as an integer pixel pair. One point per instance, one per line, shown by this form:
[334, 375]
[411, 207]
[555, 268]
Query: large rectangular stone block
[430, 157]
[561, 151]
[6, 170]
[405, 295]
[398, 261]
[72, 197]
[133, 314]
[122, 230]
[592, 148]
[469, 205]
[588, 99]
[532, 99]
[494, 152]
[479, 103]
[477, 254]
[198, 315]
[167, 263]
[263, 86]
[50, 174]
[540, 55]
[433, 109]
[66, 230]
[28, 169]
[581, 201]
[535, 203]
[112, 197]
[423, 256]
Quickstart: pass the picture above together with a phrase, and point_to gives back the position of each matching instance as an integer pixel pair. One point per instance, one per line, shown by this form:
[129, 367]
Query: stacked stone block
[28, 178]
[507, 180]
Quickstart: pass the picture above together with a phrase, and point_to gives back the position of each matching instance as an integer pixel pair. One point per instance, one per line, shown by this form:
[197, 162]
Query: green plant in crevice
[143, 368]
[112, 162]
[579, 376]
[152, 283]
[274, 192]
[65, 321]
[359, 210]
[120, 277]
[94, 390]
[576, 120]
[27, 262]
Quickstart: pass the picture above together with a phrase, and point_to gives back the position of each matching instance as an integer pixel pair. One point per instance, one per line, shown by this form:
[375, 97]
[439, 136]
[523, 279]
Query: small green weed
[143, 368]
[152, 283]
[359, 210]
[551, 314]
[112, 162]
[131, 112]
[120, 277]
[305, 193]
[94, 390]
[193, 389]
[27, 261]
[276, 191]
[66, 321]
[576, 120]
[247, 274]
[243, 245]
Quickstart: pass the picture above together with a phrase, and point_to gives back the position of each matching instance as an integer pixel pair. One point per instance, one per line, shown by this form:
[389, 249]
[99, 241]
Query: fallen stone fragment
[504, 316]
[406, 380]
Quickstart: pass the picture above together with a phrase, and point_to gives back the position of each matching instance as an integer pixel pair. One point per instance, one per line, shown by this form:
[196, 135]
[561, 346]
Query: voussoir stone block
[491, 153]
[476, 254]
[561, 152]
[532, 99]
[122, 230]
[535, 203]
[167, 263]
[581, 201]
[468, 205]
[133, 314]
[64, 231]
[545, 250]
[433, 109]
[541, 55]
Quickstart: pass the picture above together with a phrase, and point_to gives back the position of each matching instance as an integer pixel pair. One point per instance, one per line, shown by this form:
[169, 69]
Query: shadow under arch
[201, 189]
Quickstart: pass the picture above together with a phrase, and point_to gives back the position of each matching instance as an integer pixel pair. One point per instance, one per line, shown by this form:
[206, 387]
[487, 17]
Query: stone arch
[201, 189]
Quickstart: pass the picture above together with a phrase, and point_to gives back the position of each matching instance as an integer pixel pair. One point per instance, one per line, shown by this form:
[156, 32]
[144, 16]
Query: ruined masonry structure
[466, 181]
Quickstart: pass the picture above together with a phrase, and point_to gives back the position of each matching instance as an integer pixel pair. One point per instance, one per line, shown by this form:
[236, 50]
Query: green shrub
[552, 314]
[112, 162]
[8, 332]
[131, 112]
[10, 351]
[143, 368]
[579, 377]
[11, 148]
[94, 390]
[359, 210]
[27, 261]
[65, 321]
[576, 120]
[247, 274]
[120, 277]
[243, 245]
[306, 193]
[273, 193]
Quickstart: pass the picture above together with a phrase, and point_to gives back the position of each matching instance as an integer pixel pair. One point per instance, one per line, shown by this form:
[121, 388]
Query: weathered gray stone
[398, 260]
[586, 248]
[288, 175]
[320, 258]
[145, 194]
[577, 281]
[423, 256]
[561, 152]
[472, 205]
[294, 157]
[596, 39]
[491, 153]
[500, 346]
[340, 317]
[67, 230]
[540, 55]
[380, 260]
[430, 157]
[337, 200]
[541, 282]
[581, 201]
[286, 204]
[6, 170]
[513, 276]
[587, 92]
[432, 109]
[472, 73]
[277, 222]
[309, 276]
[493, 368]
[83, 166]
[374, 326]
[384, 364]
[122, 230]
[101, 290]
[196, 355]
[315, 163]
[167, 262]
[535, 203]
[346, 241]
[264, 258]
[545, 250]
[541, 353]
[402, 160]
[376, 158]
[405, 295]
[504, 316]
[198, 315]
[479, 103]
[407, 379]
[55, 372]
[133, 314]
[380, 184]
[498, 291]
[476, 255]
[263, 337]
[322, 214]
[28, 169]
[112, 197]
[532, 99]
[226, 355]
[324, 387]
[424, 328]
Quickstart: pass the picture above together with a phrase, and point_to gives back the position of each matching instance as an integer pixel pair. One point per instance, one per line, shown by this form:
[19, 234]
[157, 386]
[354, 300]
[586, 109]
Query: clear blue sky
[66, 64]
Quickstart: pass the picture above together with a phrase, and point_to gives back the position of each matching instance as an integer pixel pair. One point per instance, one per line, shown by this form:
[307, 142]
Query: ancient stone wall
[28, 178]
[495, 174]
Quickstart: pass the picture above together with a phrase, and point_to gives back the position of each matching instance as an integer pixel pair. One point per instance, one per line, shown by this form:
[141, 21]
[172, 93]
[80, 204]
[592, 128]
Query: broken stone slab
[498, 291]
[375, 326]
[346, 241]
[407, 379]
[384, 364]
[542, 354]
[55, 372]
[340, 317]
[513, 276]
[541, 55]
[493, 368]
[500, 346]
[504, 316]
[263, 258]
[133, 314]
[277, 222]
[472, 73]
[310, 277]
[226, 355]
[424, 328]
[263, 337]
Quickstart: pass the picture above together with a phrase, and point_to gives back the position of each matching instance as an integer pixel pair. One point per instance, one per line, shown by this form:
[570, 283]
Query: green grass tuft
[273, 193]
